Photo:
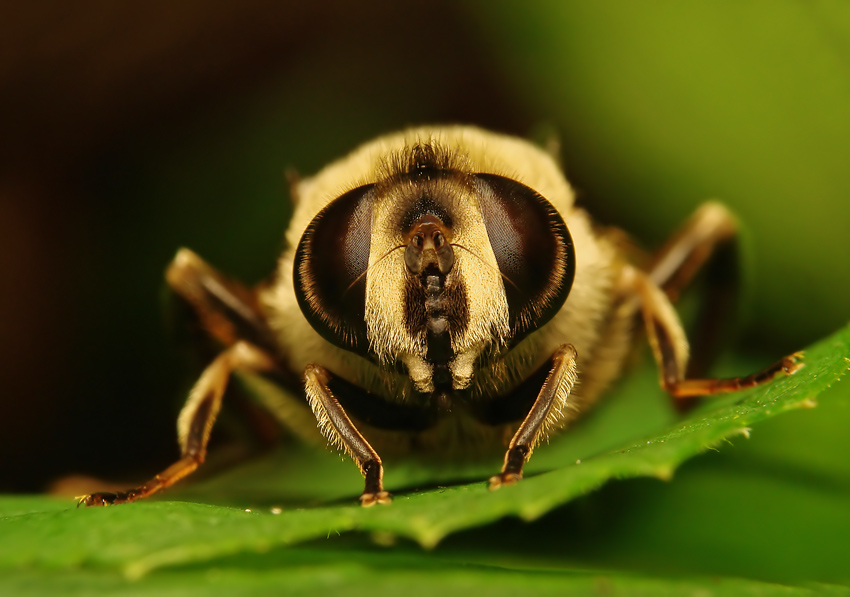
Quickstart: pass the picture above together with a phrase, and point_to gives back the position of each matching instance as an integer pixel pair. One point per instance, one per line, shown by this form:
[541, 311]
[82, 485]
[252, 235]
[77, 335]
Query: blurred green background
[131, 129]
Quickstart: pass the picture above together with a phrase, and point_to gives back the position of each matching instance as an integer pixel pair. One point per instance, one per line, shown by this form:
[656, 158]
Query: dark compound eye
[533, 249]
[330, 263]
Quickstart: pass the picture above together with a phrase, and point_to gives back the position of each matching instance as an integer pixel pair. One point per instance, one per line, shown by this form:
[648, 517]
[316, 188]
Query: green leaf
[309, 571]
[40, 533]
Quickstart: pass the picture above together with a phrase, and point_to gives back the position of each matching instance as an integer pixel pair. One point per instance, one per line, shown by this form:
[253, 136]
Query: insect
[441, 290]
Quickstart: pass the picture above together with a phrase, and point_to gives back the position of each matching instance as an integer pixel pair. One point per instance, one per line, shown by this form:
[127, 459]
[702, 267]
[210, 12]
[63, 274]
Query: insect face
[433, 267]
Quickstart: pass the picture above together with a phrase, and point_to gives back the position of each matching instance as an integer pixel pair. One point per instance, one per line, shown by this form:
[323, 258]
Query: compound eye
[330, 267]
[533, 249]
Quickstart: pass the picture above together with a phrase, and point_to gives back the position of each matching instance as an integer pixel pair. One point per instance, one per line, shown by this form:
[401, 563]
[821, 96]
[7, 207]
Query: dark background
[128, 130]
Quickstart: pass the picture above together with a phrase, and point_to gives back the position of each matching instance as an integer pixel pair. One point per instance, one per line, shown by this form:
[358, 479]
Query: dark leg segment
[338, 428]
[514, 461]
[545, 412]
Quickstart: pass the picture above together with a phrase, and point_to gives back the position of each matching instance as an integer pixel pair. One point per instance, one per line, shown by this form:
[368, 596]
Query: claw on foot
[793, 363]
[497, 481]
[97, 499]
[106, 498]
[367, 500]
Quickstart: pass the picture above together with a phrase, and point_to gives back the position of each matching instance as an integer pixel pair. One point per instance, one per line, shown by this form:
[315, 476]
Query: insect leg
[554, 394]
[228, 310]
[678, 261]
[195, 421]
[670, 348]
[338, 428]
[706, 245]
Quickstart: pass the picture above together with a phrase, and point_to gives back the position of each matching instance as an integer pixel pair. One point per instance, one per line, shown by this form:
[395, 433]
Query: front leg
[338, 428]
[544, 413]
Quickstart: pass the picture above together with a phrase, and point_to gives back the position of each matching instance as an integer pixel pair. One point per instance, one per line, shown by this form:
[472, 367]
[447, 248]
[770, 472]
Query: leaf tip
[384, 538]
[664, 473]
[429, 540]
[136, 570]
